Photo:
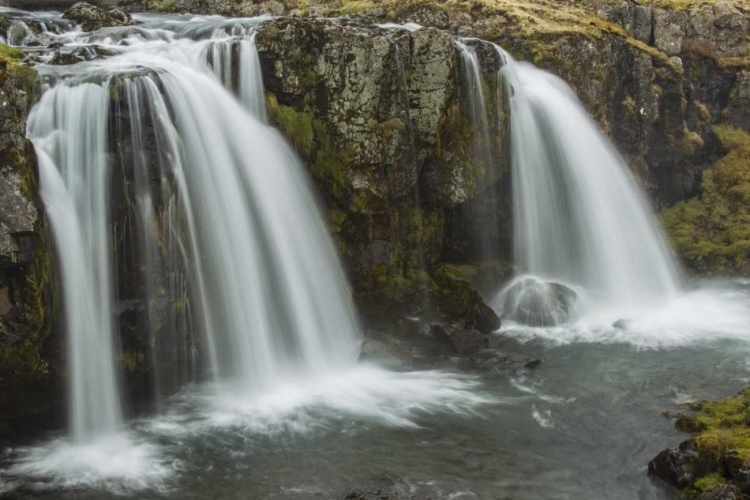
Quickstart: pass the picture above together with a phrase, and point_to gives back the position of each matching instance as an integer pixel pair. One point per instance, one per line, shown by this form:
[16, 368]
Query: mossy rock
[711, 233]
[717, 455]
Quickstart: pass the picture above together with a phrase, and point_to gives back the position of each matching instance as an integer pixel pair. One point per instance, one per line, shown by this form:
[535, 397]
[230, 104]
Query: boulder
[680, 467]
[461, 341]
[481, 317]
[92, 17]
[533, 302]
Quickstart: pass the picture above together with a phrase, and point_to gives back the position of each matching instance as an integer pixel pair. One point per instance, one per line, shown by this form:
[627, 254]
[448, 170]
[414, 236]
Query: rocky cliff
[26, 310]
[383, 120]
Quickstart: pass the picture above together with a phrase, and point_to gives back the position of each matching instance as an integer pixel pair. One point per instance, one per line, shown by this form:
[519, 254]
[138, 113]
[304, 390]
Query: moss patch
[712, 232]
[297, 126]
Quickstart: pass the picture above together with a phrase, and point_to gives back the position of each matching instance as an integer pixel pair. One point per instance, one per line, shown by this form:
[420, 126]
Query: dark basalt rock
[723, 492]
[538, 303]
[461, 341]
[92, 17]
[680, 467]
[481, 317]
[505, 361]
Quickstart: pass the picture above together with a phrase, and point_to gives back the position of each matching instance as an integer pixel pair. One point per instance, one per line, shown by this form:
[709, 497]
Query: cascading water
[485, 153]
[270, 296]
[579, 216]
[68, 127]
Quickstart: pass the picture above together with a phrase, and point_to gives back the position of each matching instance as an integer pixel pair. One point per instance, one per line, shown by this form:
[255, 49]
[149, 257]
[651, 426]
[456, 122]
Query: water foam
[117, 462]
[690, 318]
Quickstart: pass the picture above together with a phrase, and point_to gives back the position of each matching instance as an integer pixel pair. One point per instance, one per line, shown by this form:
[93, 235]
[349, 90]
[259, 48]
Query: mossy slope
[712, 232]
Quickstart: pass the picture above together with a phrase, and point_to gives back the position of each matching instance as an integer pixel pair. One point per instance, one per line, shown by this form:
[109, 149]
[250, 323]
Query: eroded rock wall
[380, 119]
[29, 353]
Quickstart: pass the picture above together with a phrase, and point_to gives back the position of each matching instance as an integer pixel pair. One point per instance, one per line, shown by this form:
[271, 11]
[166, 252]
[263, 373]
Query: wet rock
[64, 58]
[505, 361]
[678, 468]
[461, 341]
[383, 348]
[723, 492]
[92, 17]
[408, 325]
[482, 317]
[538, 303]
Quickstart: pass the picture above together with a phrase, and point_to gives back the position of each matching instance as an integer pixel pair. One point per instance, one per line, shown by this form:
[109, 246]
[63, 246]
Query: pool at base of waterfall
[583, 424]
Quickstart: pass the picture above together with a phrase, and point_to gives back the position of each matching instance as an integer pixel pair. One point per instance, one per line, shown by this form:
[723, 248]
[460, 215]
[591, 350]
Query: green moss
[9, 54]
[331, 160]
[10, 60]
[462, 271]
[722, 426]
[131, 360]
[709, 482]
[711, 233]
[165, 6]
[337, 218]
[297, 126]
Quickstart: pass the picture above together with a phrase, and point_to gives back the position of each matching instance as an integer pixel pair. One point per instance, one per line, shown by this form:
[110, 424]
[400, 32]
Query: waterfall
[68, 127]
[579, 216]
[484, 157]
[218, 211]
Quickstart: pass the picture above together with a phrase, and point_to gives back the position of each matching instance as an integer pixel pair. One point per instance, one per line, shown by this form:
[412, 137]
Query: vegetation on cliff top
[712, 231]
[9, 60]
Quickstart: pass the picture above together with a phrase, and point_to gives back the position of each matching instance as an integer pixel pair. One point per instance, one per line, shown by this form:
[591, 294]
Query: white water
[579, 216]
[581, 219]
[270, 290]
[68, 127]
[483, 156]
[266, 292]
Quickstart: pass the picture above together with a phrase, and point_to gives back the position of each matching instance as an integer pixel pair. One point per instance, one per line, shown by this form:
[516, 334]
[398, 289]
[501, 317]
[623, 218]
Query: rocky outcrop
[719, 27]
[380, 118]
[713, 463]
[92, 17]
[29, 354]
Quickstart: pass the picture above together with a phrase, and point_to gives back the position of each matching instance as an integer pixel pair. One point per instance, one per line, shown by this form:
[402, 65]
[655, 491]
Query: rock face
[92, 17]
[29, 356]
[719, 27]
[380, 118]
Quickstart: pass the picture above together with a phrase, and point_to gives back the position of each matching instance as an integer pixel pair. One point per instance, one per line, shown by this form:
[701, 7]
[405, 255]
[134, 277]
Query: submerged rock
[385, 349]
[496, 359]
[622, 324]
[92, 17]
[538, 303]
